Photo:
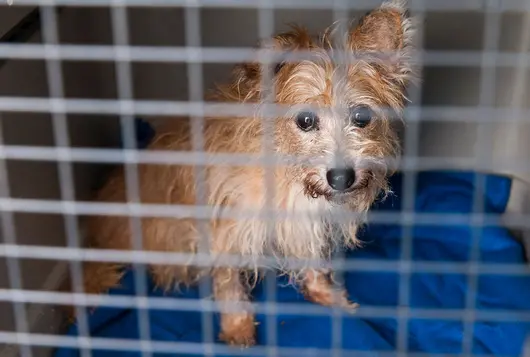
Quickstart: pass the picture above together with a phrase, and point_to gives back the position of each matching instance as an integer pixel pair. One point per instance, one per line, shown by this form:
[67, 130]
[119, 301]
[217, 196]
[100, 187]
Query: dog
[339, 116]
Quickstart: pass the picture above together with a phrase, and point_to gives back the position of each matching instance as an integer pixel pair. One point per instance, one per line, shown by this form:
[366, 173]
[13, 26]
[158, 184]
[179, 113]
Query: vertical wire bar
[66, 180]
[521, 71]
[339, 13]
[122, 61]
[13, 264]
[520, 84]
[196, 94]
[521, 68]
[265, 32]
[491, 39]
[411, 152]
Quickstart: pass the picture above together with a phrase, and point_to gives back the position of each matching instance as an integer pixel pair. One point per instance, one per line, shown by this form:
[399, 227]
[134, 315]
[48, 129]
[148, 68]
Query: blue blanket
[437, 192]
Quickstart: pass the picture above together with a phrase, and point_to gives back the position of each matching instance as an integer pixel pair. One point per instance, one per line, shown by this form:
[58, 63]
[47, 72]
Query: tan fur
[299, 188]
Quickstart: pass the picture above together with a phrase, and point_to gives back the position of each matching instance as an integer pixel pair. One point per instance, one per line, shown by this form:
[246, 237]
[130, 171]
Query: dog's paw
[238, 339]
[350, 306]
[238, 330]
[327, 296]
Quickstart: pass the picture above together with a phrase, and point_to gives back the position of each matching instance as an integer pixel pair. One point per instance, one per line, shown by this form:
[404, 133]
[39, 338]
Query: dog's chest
[305, 219]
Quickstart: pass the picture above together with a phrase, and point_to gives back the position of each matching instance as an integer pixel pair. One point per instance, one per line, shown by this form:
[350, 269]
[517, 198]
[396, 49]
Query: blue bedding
[437, 192]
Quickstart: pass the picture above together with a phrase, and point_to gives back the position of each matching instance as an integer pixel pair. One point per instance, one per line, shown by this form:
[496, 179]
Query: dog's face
[344, 108]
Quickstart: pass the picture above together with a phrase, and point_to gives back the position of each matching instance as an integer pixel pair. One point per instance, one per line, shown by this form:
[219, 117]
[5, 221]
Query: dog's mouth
[315, 187]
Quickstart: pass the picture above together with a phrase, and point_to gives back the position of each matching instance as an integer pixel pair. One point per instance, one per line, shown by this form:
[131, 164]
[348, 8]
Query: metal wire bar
[54, 74]
[191, 347]
[265, 32]
[340, 13]
[219, 110]
[205, 212]
[306, 309]
[13, 263]
[201, 260]
[452, 5]
[411, 152]
[38, 153]
[196, 93]
[120, 32]
[492, 32]
[195, 54]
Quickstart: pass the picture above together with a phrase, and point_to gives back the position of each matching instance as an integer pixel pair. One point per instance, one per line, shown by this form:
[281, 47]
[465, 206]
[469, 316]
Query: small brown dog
[344, 119]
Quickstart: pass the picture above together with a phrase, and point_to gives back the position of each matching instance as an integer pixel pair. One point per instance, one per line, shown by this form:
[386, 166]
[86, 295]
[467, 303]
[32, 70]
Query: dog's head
[344, 96]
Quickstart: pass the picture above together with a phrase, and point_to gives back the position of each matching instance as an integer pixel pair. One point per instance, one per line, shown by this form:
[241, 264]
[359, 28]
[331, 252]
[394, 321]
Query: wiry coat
[327, 85]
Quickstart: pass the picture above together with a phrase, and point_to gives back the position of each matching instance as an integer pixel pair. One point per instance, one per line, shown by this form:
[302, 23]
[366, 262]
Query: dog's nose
[341, 179]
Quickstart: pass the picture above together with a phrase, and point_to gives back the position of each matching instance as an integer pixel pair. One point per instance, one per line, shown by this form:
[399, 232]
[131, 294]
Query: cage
[74, 75]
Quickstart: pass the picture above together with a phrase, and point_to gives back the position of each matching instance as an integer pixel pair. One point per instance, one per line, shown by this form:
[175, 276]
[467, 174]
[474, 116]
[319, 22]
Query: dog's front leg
[237, 322]
[318, 287]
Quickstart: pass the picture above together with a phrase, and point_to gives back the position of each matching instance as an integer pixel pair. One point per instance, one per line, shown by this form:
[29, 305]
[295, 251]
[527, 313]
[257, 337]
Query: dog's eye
[307, 121]
[360, 116]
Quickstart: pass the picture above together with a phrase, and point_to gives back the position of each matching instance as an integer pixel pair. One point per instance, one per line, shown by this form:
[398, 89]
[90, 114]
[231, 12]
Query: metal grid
[194, 55]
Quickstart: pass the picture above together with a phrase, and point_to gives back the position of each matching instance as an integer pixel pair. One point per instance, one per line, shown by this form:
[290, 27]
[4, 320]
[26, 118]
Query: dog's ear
[282, 44]
[296, 39]
[386, 32]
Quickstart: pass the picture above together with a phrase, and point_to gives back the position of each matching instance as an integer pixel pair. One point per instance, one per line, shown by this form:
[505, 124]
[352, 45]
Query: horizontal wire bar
[179, 211]
[197, 348]
[207, 260]
[129, 156]
[472, 114]
[73, 52]
[432, 5]
[291, 308]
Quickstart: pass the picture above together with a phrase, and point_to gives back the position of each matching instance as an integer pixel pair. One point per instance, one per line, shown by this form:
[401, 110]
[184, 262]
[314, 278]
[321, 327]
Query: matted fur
[326, 84]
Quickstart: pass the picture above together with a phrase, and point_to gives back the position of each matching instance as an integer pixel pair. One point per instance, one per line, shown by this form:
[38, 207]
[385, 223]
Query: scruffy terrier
[343, 119]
